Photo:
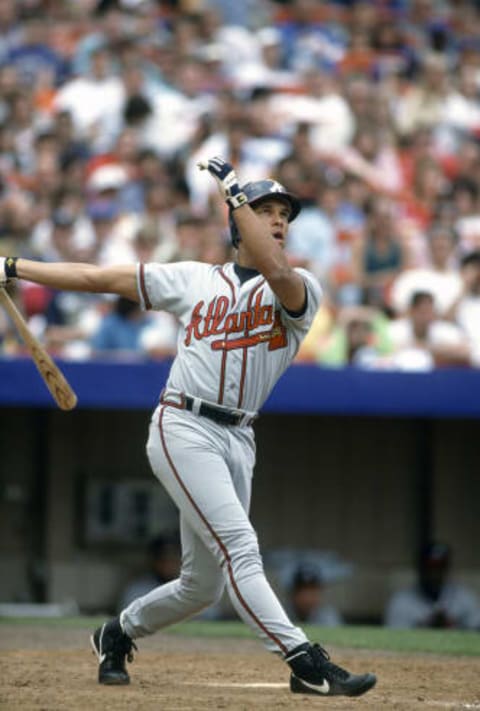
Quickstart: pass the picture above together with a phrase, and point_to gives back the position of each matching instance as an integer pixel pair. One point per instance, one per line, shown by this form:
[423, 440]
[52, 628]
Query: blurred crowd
[368, 110]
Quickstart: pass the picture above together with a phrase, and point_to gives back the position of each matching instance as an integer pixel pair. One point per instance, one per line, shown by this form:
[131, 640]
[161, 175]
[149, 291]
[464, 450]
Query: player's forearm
[80, 277]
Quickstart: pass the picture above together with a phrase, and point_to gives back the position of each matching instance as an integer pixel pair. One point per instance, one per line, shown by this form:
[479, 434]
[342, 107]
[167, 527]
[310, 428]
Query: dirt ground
[46, 668]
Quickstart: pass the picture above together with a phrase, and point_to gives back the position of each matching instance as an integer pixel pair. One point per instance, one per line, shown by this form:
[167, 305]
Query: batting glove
[8, 270]
[227, 181]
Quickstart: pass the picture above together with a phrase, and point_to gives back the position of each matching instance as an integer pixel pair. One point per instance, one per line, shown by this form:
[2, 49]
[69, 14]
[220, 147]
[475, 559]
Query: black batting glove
[227, 181]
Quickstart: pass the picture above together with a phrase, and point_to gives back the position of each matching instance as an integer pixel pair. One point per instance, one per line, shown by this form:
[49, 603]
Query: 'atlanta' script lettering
[214, 321]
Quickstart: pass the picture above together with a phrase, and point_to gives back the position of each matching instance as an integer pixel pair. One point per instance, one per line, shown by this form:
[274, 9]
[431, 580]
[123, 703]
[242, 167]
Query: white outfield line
[460, 705]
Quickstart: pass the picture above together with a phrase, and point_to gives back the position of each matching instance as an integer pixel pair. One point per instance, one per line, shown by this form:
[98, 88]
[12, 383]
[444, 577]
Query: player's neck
[244, 273]
[244, 258]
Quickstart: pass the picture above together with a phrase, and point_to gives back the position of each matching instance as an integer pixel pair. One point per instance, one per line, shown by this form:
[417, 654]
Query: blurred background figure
[378, 256]
[435, 600]
[355, 336]
[440, 276]
[162, 565]
[466, 309]
[306, 600]
[421, 340]
[305, 578]
[121, 329]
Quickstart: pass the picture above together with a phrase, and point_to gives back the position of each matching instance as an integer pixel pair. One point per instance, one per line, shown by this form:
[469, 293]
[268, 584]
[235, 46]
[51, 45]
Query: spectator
[311, 242]
[121, 329]
[466, 309]
[10, 29]
[435, 600]
[178, 110]
[306, 600]
[190, 230]
[265, 70]
[465, 198]
[441, 277]
[61, 244]
[378, 255]
[322, 105]
[69, 213]
[309, 42]
[461, 115]
[421, 340]
[357, 337]
[348, 222]
[32, 55]
[163, 565]
[424, 103]
[107, 247]
[93, 100]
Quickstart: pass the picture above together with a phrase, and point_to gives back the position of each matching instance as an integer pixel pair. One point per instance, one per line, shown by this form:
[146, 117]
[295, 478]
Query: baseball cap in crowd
[306, 576]
[107, 177]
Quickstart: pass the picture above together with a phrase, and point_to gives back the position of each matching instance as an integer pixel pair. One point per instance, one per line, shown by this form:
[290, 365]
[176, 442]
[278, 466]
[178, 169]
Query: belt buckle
[237, 415]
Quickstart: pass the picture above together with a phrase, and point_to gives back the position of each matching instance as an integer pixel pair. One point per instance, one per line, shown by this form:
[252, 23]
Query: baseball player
[242, 324]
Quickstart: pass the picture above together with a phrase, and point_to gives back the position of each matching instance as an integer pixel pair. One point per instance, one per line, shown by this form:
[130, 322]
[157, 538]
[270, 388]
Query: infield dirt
[48, 668]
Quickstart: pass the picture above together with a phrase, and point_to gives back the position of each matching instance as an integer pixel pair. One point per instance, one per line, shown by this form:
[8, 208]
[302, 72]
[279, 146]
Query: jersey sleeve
[314, 296]
[166, 287]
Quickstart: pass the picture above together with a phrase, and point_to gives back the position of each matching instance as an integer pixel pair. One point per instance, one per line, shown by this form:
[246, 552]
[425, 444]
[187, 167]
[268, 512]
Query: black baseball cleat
[112, 646]
[314, 673]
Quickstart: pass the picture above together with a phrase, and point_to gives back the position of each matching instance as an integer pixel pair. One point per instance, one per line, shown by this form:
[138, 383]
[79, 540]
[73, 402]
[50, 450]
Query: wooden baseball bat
[54, 379]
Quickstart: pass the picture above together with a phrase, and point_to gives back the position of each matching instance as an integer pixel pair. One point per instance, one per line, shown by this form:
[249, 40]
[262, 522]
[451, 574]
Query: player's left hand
[227, 181]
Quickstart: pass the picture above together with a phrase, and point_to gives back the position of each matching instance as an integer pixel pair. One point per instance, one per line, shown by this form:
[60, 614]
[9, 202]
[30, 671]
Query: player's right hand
[7, 270]
[227, 181]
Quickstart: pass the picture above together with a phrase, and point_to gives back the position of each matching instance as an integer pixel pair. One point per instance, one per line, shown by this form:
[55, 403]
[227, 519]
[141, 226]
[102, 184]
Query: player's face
[275, 214]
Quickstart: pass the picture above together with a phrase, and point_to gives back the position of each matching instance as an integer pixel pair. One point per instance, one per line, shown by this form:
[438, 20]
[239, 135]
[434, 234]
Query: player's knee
[201, 591]
[245, 558]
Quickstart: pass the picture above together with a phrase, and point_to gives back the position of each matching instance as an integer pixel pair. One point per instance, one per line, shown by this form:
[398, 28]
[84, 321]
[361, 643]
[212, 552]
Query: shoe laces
[129, 646]
[321, 659]
[123, 647]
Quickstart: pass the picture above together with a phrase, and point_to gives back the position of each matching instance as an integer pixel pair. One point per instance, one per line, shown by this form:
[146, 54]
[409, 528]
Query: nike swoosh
[101, 658]
[323, 689]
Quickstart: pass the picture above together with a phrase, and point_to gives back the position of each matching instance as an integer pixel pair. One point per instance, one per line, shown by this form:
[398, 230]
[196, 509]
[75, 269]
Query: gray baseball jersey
[236, 340]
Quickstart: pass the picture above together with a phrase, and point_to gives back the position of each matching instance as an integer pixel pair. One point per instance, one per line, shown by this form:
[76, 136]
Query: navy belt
[220, 415]
[216, 413]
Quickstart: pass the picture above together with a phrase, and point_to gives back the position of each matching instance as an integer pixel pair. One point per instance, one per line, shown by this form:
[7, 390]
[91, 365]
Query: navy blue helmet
[264, 190]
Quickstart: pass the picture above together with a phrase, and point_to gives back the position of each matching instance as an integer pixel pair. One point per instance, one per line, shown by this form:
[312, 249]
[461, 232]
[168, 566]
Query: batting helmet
[264, 190]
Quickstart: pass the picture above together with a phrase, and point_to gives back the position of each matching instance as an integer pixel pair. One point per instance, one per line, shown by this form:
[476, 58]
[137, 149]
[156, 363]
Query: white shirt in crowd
[468, 317]
[445, 288]
[410, 608]
[408, 355]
